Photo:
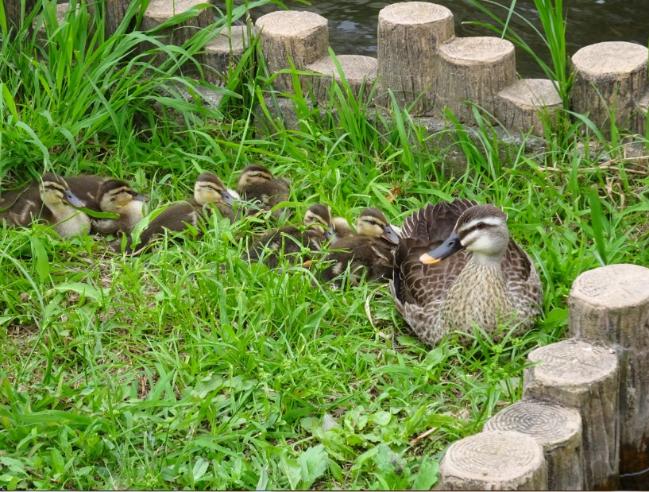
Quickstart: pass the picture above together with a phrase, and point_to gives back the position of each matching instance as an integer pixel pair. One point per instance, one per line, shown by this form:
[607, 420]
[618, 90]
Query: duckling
[371, 248]
[258, 185]
[104, 194]
[456, 267]
[209, 194]
[291, 240]
[50, 201]
[341, 228]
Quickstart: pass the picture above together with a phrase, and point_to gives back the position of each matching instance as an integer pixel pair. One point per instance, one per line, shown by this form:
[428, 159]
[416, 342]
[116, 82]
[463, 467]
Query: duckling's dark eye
[480, 225]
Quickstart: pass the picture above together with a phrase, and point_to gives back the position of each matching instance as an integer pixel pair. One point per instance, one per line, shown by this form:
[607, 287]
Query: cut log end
[359, 71]
[159, 11]
[526, 104]
[610, 59]
[573, 363]
[494, 460]
[415, 13]
[291, 23]
[613, 287]
[551, 425]
[477, 50]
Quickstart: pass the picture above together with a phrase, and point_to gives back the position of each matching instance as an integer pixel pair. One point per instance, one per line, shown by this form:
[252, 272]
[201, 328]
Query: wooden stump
[409, 35]
[611, 305]
[160, 11]
[114, 13]
[475, 70]
[610, 75]
[359, 71]
[577, 374]
[557, 429]
[14, 12]
[296, 37]
[526, 104]
[494, 460]
[642, 114]
[224, 52]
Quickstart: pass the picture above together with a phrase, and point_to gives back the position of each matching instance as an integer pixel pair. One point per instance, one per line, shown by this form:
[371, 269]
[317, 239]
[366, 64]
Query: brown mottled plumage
[476, 274]
[264, 191]
[371, 249]
[292, 240]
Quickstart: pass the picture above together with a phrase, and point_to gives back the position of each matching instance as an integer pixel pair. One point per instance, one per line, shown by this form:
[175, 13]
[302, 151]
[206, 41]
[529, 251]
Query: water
[352, 24]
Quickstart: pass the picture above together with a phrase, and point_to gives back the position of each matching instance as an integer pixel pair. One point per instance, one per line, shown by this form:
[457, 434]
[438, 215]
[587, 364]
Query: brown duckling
[210, 194]
[292, 240]
[371, 248]
[258, 185]
[50, 201]
[109, 195]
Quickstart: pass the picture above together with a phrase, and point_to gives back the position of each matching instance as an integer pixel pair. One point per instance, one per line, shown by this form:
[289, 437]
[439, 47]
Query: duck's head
[372, 223]
[481, 229]
[318, 217]
[254, 174]
[115, 195]
[210, 189]
[55, 192]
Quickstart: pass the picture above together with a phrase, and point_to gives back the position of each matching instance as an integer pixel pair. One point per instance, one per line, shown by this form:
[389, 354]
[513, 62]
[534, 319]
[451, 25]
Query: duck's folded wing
[434, 222]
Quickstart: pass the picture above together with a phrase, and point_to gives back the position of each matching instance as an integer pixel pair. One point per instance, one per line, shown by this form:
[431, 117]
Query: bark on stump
[160, 11]
[475, 69]
[557, 429]
[409, 35]
[13, 11]
[224, 52]
[292, 37]
[526, 104]
[609, 76]
[114, 13]
[611, 305]
[577, 374]
[359, 72]
[642, 114]
[494, 460]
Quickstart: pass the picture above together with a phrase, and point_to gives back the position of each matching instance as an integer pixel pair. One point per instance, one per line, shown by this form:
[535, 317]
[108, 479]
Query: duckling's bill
[73, 199]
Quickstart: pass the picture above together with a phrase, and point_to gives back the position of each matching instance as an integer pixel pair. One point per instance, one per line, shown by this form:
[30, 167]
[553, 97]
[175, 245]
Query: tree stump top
[162, 10]
[355, 67]
[549, 424]
[233, 40]
[610, 58]
[532, 93]
[414, 13]
[493, 456]
[477, 50]
[613, 287]
[290, 23]
[572, 363]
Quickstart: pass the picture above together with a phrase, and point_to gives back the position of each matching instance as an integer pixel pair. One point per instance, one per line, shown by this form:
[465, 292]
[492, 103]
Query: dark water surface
[352, 24]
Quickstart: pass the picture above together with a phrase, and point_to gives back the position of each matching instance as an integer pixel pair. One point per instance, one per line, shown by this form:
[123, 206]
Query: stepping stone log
[292, 37]
[557, 429]
[611, 305]
[115, 10]
[475, 69]
[224, 52]
[359, 72]
[526, 104]
[576, 374]
[409, 36]
[160, 11]
[494, 460]
[609, 76]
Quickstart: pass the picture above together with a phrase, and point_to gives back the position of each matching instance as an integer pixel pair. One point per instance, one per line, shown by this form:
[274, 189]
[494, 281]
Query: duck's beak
[140, 198]
[329, 233]
[390, 235]
[73, 199]
[227, 197]
[449, 247]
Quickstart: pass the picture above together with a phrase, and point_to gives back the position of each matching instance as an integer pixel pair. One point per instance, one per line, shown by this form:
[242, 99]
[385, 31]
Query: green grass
[188, 367]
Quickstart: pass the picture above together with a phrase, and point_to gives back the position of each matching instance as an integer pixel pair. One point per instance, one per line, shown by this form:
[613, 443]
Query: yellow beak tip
[426, 259]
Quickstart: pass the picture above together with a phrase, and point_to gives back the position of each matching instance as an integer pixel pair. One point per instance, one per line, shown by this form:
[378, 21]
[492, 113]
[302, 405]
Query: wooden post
[296, 37]
[409, 35]
[494, 460]
[611, 305]
[475, 69]
[14, 12]
[160, 11]
[557, 429]
[610, 76]
[114, 12]
[224, 52]
[526, 104]
[577, 374]
[359, 71]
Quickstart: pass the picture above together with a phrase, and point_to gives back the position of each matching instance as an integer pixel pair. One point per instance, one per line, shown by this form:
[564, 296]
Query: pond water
[352, 24]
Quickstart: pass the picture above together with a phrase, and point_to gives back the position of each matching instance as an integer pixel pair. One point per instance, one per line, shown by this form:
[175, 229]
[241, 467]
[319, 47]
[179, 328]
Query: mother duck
[456, 267]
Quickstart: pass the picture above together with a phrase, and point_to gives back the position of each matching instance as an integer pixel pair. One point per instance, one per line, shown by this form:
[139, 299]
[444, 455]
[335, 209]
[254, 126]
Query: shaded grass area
[188, 367]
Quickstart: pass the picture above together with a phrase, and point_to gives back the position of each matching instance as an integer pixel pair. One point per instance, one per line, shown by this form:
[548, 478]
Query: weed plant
[188, 367]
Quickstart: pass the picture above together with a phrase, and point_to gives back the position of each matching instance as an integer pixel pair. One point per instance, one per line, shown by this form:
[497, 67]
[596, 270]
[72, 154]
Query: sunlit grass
[189, 368]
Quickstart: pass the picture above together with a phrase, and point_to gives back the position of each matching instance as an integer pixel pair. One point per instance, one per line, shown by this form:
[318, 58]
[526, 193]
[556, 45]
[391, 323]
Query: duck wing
[522, 281]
